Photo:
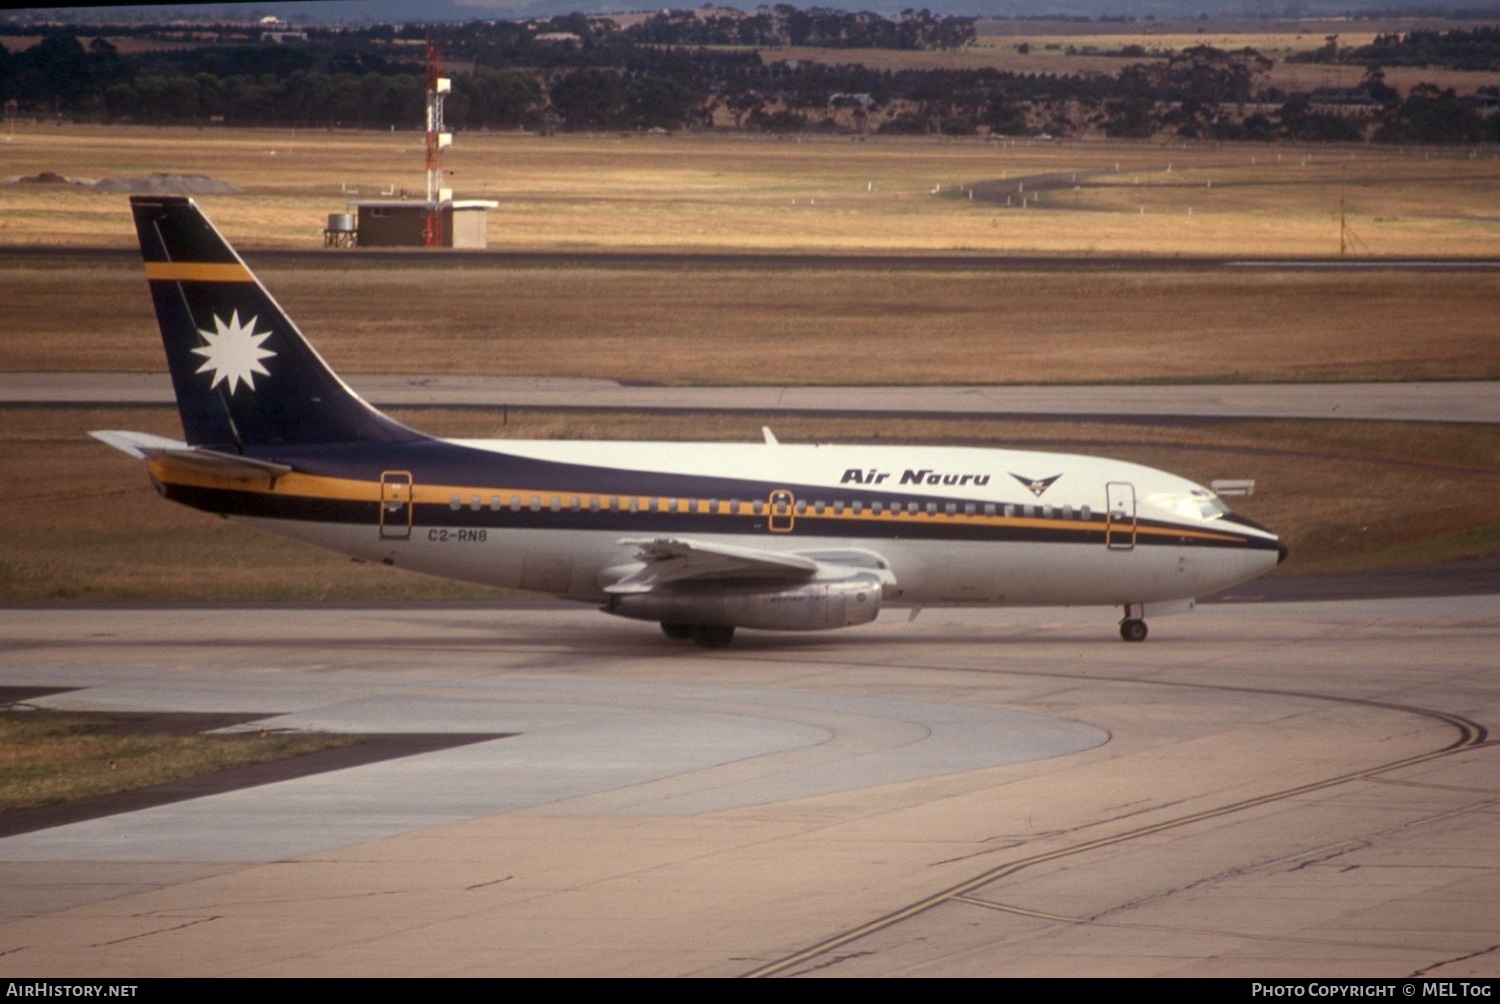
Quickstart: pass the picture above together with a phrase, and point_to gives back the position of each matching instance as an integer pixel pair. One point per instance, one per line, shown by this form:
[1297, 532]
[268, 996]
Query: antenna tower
[1346, 232]
[438, 140]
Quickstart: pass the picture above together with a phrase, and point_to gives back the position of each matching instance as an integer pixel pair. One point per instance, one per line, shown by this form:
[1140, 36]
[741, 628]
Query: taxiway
[1262, 789]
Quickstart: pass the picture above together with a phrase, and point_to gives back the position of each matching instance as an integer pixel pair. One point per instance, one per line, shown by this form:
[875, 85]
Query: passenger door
[395, 505]
[1119, 519]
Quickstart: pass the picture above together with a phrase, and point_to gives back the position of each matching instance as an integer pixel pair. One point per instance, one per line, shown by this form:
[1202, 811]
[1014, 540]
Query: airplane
[702, 538]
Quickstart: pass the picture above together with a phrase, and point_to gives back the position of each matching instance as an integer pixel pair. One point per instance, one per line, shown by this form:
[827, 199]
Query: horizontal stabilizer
[145, 446]
[137, 443]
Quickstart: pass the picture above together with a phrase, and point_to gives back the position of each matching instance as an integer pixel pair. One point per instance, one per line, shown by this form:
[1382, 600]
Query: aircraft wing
[145, 446]
[672, 559]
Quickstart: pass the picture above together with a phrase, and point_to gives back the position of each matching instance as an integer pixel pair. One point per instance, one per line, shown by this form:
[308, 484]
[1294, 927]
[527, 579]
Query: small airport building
[387, 223]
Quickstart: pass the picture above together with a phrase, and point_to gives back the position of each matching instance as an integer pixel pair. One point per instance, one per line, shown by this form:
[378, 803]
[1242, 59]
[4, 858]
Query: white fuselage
[954, 525]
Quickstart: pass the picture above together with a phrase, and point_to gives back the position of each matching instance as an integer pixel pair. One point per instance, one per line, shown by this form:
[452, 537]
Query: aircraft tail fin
[243, 374]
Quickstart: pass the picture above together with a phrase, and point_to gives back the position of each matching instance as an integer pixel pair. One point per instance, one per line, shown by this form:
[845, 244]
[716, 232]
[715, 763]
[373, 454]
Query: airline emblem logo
[234, 352]
[1035, 485]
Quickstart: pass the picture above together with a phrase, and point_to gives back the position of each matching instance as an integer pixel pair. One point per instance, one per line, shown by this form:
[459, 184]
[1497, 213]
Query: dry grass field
[1049, 55]
[816, 326]
[709, 194]
[84, 524]
[1069, 47]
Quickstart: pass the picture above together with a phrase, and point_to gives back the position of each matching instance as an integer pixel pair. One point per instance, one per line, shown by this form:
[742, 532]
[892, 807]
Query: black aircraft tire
[713, 635]
[1133, 629]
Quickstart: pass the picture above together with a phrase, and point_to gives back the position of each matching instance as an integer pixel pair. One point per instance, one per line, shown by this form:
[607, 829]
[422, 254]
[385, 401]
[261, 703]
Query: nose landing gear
[1133, 626]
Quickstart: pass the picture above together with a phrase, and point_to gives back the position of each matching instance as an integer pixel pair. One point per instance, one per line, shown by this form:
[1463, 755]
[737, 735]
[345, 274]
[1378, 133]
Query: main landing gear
[1133, 627]
[706, 635]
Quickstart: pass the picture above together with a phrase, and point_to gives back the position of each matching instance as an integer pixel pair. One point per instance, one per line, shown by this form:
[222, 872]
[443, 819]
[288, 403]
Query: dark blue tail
[243, 373]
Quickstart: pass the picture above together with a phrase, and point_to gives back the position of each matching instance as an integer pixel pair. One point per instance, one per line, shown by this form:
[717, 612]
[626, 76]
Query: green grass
[47, 759]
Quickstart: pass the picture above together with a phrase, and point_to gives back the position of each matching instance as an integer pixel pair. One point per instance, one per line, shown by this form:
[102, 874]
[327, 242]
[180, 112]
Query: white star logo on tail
[233, 352]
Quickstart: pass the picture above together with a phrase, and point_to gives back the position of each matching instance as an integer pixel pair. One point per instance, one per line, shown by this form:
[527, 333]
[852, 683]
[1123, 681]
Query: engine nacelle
[814, 606]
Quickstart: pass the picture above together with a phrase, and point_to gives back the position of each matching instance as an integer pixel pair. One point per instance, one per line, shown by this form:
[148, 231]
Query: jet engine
[812, 606]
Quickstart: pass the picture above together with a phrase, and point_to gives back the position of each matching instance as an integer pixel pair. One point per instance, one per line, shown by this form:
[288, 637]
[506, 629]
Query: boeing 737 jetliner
[702, 538]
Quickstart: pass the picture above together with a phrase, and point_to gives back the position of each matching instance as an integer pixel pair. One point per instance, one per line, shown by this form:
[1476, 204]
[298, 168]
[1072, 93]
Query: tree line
[1459, 49]
[581, 73]
[821, 27]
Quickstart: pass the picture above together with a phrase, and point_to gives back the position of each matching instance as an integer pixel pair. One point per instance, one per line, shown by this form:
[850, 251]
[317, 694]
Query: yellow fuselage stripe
[346, 489]
[187, 271]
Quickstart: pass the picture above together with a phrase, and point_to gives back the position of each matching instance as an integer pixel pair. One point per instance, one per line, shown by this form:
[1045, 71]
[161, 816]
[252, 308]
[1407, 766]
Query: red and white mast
[438, 140]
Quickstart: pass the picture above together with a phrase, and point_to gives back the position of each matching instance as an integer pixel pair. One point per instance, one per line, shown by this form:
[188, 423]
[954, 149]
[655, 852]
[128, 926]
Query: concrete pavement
[1285, 789]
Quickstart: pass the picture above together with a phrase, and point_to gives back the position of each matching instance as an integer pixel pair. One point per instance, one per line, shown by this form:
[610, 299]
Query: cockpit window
[1198, 504]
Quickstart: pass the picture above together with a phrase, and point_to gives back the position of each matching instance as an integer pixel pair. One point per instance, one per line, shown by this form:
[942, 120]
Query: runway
[1292, 789]
[1416, 401]
[709, 260]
